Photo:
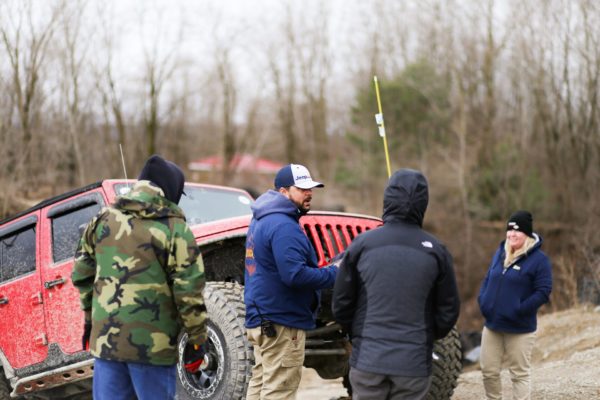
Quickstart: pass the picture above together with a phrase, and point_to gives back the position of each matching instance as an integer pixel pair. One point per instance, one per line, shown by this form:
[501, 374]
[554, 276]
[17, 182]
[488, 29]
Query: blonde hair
[512, 256]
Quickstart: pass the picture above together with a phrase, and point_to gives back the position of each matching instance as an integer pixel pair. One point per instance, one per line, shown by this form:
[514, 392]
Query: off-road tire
[232, 357]
[446, 368]
[4, 387]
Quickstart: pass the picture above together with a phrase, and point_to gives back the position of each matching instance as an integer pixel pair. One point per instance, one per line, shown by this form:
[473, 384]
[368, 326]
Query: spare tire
[230, 356]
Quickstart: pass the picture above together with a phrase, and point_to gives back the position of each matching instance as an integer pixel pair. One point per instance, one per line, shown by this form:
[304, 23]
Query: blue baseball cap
[295, 175]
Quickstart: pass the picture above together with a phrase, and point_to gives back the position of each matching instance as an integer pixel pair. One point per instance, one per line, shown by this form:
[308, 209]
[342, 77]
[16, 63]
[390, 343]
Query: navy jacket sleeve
[542, 286]
[447, 301]
[484, 284]
[292, 253]
[345, 291]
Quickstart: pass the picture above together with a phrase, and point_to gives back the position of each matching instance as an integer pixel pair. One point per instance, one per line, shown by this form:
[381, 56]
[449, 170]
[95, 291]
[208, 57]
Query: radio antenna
[123, 163]
[381, 125]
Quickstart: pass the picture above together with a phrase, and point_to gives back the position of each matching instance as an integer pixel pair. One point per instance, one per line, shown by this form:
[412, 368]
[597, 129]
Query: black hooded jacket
[166, 175]
[395, 292]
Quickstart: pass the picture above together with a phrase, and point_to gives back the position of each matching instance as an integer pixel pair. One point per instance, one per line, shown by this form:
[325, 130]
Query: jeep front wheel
[228, 369]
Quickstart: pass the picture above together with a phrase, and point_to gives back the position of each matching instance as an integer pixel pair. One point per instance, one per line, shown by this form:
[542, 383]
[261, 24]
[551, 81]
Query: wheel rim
[204, 383]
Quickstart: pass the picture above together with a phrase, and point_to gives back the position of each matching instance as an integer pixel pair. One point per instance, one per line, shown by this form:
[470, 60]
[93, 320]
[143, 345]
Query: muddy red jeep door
[62, 224]
[22, 331]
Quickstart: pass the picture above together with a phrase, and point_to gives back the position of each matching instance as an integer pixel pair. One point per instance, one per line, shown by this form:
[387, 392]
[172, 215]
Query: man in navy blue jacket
[395, 294]
[282, 282]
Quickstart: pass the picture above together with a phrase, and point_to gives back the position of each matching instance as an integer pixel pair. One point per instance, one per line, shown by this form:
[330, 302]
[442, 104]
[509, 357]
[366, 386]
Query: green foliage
[345, 176]
[508, 184]
[416, 112]
[418, 104]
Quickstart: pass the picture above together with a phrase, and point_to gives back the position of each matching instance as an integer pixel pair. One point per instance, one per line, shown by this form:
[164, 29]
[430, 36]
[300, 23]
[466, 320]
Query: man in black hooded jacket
[396, 293]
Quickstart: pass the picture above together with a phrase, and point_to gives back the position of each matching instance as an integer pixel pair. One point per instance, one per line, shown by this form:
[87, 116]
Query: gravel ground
[577, 378]
[566, 360]
[312, 387]
[566, 364]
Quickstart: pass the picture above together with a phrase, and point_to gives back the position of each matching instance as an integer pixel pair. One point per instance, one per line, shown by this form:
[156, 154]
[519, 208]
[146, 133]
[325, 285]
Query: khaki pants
[516, 348]
[278, 363]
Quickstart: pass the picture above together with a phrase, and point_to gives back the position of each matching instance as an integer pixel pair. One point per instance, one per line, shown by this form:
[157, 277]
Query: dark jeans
[369, 386]
[114, 380]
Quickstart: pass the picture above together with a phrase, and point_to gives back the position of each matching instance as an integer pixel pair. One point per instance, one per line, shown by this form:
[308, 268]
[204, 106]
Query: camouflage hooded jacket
[140, 276]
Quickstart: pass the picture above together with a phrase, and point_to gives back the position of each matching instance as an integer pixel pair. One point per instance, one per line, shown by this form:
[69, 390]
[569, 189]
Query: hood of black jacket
[166, 175]
[406, 197]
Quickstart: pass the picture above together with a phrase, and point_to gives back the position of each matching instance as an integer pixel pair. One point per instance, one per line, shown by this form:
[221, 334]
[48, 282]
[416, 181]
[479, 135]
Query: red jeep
[41, 323]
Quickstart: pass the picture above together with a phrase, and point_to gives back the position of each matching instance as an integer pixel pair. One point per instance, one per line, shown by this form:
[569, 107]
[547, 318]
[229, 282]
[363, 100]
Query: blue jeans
[114, 380]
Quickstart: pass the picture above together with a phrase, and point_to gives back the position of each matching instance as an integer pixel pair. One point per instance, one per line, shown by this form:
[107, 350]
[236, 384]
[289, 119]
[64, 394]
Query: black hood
[406, 197]
[166, 175]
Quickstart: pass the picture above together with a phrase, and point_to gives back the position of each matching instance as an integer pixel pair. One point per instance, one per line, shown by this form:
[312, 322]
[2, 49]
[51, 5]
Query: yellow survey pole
[380, 124]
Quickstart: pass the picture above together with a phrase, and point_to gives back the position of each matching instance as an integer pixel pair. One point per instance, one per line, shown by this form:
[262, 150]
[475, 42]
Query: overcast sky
[193, 30]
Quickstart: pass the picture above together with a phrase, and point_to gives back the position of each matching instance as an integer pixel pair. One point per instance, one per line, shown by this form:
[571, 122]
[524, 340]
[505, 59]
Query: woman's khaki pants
[516, 349]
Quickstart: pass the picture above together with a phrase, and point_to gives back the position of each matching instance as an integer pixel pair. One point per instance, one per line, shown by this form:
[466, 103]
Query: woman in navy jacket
[517, 284]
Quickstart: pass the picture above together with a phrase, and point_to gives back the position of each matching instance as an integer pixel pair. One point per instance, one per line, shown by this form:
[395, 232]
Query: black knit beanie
[166, 175]
[521, 221]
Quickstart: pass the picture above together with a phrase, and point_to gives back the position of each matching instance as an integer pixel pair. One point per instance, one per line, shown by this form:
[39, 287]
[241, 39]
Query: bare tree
[25, 42]
[158, 72]
[226, 81]
[160, 64]
[72, 63]
[284, 79]
[313, 57]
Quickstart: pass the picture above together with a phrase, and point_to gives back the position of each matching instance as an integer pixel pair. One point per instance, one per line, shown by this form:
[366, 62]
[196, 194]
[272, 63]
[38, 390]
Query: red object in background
[240, 162]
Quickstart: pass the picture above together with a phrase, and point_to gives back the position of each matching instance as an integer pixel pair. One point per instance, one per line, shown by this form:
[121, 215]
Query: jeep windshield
[203, 204]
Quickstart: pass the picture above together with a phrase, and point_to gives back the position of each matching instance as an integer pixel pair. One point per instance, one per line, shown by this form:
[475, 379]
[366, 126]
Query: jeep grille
[330, 235]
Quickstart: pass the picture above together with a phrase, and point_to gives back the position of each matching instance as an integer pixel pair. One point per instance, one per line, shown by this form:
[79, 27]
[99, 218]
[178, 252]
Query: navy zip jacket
[282, 277]
[396, 291]
[510, 298]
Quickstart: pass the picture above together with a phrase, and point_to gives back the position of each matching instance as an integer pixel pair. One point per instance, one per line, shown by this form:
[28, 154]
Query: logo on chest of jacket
[427, 244]
[250, 262]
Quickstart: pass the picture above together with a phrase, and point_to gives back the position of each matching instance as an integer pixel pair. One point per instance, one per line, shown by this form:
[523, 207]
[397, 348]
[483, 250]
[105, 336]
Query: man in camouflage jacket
[140, 276]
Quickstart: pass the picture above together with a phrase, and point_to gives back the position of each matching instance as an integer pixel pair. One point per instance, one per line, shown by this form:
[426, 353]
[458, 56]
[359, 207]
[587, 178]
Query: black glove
[193, 357]
[85, 339]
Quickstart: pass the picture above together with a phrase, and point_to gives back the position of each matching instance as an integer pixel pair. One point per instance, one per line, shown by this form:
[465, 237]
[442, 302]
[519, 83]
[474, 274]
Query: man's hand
[337, 260]
[85, 339]
[193, 357]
